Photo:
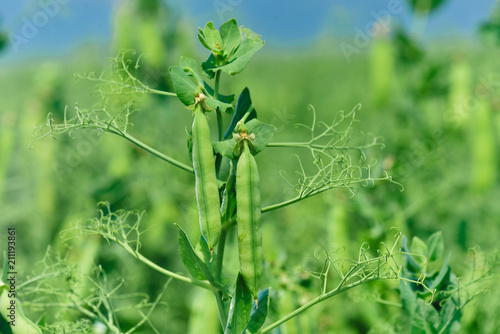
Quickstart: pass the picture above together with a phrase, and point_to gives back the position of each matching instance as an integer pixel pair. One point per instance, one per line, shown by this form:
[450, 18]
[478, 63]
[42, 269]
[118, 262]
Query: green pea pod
[248, 219]
[20, 324]
[207, 192]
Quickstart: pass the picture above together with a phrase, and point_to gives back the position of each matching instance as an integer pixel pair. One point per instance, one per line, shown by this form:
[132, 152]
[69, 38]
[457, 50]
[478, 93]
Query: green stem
[317, 146]
[313, 302]
[249, 111]
[152, 150]
[282, 204]
[164, 271]
[220, 308]
[160, 92]
[218, 161]
[220, 254]
[220, 124]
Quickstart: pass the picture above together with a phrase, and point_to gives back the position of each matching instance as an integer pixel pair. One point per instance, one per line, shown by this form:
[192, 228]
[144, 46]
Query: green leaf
[263, 133]
[409, 302]
[450, 317]
[419, 249]
[443, 278]
[193, 67]
[203, 40]
[241, 57]
[203, 251]
[231, 36]
[196, 267]
[225, 148]
[209, 65]
[5, 327]
[259, 312]
[435, 246]
[411, 265]
[213, 37]
[222, 98]
[184, 87]
[229, 198]
[240, 308]
[242, 106]
[214, 104]
[425, 320]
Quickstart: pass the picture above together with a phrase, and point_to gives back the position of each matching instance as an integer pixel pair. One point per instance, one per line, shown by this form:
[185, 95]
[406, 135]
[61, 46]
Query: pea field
[172, 176]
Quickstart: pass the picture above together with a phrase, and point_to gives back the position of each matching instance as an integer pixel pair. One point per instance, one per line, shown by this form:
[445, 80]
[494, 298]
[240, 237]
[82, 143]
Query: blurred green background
[431, 90]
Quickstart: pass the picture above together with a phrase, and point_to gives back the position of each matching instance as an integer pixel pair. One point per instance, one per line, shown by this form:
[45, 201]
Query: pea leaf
[212, 36]
[259, 312]
[409, 302]
[203, 251]
[241, 57]
[263, 133]
[222, 98]
[411, 264]
[242, 106]
[435, 246]
[203, 40]
[192, 66]
[240, 308]
[419, 248]
[443, 278]
[425, 320]
[231, 36]
[196, 267]
[184, 87]
[214, 104]
[209, 65]
[450, 317]
[225, 148]
[229, 199]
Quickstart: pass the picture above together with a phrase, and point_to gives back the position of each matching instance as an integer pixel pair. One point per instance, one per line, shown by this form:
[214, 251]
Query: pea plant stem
[222, 241]
[220, 308]
[220, 254]
[309, 145]
[164, 271]
[151, 150]
[340, 288]
[220, 124]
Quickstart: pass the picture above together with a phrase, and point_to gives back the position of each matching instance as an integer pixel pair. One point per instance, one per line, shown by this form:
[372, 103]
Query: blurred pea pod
[207, 192]
[381, 66]
[248, 218]
[460, 89]
[484, 149]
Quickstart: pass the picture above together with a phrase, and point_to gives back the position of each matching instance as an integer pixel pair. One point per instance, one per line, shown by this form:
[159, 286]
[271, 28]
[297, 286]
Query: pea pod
[207, 192]
[20, 324]
[248, 219]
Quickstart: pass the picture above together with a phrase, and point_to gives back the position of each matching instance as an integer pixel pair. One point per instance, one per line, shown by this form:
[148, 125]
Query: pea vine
[226, 174]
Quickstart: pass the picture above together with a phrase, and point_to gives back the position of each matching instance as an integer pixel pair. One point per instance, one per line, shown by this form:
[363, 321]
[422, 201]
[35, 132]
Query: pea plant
[228, 196]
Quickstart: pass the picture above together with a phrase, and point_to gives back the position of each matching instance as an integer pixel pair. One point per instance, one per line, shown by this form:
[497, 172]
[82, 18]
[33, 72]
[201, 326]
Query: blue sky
[70, 23]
